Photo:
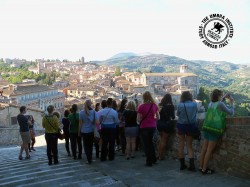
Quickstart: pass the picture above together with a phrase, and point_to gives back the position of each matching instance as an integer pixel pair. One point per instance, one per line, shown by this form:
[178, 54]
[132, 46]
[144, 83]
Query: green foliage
[204, 96]
[118, 71]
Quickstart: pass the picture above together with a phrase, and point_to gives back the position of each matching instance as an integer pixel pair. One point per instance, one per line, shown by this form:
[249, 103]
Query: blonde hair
[57, 114]
[147, 97]
[131, 106]
[87, 106]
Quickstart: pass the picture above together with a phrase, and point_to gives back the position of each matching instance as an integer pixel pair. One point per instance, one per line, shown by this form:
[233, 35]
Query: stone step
[36, 171]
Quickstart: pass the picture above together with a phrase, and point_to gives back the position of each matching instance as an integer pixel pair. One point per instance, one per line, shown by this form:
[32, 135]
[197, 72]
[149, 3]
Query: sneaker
[27, 157]
[208, 171]
[32, 148]
[20, 157]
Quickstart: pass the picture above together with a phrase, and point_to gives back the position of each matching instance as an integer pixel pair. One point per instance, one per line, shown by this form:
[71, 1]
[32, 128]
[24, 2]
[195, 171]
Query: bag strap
[186, 113]
[50, 124]
[146, 114]
[106, 116]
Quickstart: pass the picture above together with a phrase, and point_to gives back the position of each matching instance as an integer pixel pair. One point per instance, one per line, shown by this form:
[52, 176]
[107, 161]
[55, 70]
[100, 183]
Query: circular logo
[216, 31]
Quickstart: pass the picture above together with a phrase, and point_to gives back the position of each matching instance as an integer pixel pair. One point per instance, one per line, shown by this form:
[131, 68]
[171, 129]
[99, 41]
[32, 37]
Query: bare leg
[190, 146]
[128, 147]
[162, 148]
[133, 146]
[21, 150]
[181, 139]
[210, 148]
[26, 149]
[203, 152]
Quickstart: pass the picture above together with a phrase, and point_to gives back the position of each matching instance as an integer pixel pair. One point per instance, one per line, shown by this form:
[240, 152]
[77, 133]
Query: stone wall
[9, 131]
[11, 135]
[232, 153]
[12, 111]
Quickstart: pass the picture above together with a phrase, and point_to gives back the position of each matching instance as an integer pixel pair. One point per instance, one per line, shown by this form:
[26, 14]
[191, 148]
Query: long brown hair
[186, 96]
[147, 97]
[216, 95]
[166, 100]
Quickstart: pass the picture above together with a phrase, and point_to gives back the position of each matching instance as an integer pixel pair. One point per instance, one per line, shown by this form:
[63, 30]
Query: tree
[118, 71]
[204, 96]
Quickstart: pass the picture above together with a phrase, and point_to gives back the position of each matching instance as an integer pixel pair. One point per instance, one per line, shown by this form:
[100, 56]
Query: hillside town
[90, 81]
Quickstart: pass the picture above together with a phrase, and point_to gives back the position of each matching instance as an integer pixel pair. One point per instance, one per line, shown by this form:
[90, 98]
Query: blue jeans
[147, 137]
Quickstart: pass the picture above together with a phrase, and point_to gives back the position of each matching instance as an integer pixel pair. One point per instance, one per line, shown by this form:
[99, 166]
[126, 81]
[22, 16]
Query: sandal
[208, 171]
[27, 157]
[20, 157]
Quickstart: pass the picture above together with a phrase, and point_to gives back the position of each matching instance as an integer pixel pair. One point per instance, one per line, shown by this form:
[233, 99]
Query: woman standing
[147, 115]
[210, 139]
[131, 129]
[75, 140]
[51, 124]
[87, 120]
[186, 112]
[32, 134]
[165, 127]
[121, 127]
[97, 137]
[66, 125]
[109, 120]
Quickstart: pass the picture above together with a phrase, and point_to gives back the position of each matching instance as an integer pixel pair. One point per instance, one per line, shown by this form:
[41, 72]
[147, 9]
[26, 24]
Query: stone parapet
[232, 153]
[11, 135]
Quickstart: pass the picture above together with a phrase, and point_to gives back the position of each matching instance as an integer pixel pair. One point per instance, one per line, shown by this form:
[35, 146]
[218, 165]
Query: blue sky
[99, 29]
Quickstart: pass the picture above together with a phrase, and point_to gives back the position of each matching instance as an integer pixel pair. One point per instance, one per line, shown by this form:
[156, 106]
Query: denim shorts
[211, 137]
[185, 129]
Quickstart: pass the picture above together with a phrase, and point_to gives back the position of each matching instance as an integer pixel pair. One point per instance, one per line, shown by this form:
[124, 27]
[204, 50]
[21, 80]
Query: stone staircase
[36, 171]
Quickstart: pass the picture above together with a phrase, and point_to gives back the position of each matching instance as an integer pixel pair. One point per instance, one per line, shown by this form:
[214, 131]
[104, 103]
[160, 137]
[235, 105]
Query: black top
[130, 118]
[66, 124]
[167, 113]
[23, 123]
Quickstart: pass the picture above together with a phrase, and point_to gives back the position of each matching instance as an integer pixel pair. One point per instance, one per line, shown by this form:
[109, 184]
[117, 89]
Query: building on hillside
[172, 82]
[35, 96]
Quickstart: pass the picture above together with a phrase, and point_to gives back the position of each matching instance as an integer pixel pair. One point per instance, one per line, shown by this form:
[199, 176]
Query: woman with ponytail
[147, 115]
[87, 121]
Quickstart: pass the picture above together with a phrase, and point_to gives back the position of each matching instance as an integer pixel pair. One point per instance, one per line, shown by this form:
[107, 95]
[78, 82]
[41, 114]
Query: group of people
[107, 126]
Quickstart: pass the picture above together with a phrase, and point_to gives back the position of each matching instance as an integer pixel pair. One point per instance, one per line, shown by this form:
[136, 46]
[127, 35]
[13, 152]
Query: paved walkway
[120, 172]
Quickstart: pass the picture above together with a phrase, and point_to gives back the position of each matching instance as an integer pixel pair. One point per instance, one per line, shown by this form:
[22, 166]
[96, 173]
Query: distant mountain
[123, 55]
[211, 73]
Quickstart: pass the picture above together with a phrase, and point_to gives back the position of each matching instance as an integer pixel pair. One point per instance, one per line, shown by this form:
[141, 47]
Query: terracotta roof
[26, 89]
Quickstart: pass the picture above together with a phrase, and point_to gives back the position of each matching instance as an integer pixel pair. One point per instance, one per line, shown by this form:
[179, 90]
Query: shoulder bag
[214, 121]
[60, 134]
[195, 132]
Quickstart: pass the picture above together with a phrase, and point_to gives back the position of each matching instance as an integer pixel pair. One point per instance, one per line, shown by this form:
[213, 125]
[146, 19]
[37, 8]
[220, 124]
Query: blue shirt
[108, 118]
[88, 121]
[190, 117]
